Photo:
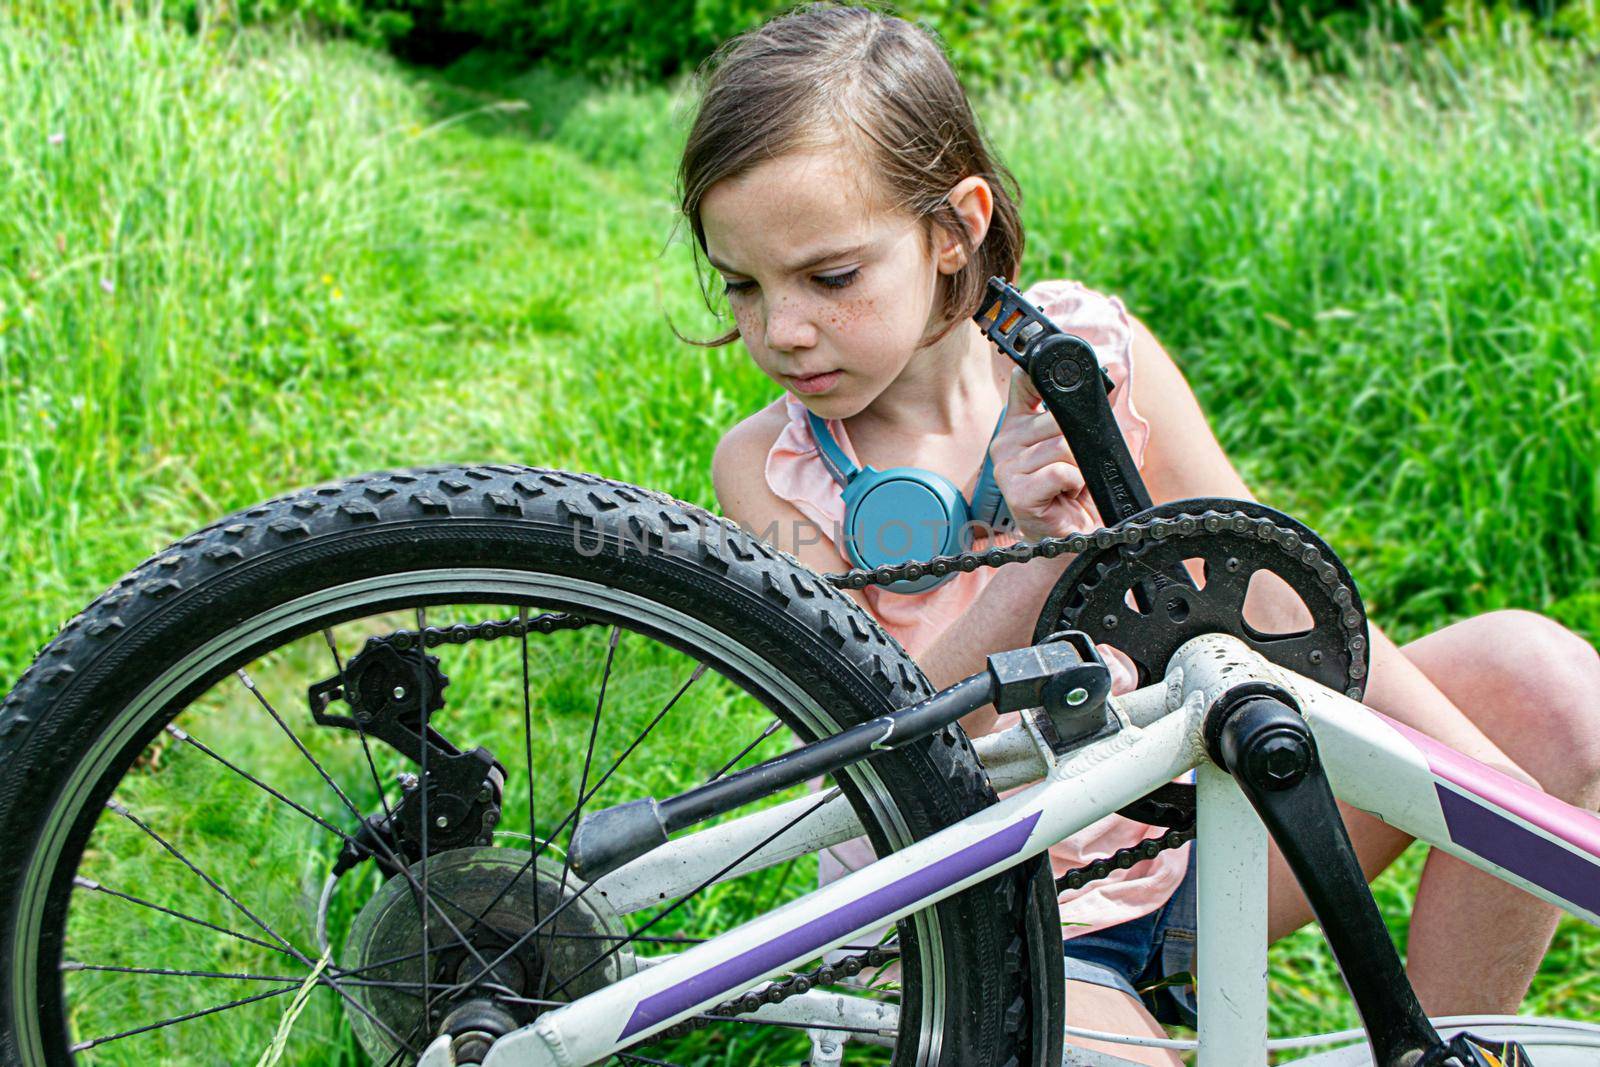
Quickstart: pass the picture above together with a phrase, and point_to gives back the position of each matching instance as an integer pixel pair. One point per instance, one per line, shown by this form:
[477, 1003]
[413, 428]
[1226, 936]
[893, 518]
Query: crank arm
[1075, 388]
[1258, 735]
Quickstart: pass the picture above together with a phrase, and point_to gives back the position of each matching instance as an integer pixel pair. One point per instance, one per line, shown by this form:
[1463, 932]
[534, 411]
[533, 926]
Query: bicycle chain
[489, 630]
[1130, 533]
[1123, 534]
[778, 992]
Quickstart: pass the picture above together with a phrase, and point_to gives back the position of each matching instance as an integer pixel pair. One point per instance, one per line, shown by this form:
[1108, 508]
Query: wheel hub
[385, 943]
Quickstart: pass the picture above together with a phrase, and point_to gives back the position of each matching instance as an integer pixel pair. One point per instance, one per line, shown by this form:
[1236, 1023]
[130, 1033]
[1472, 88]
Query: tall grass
[183, 227]
[1382, 286]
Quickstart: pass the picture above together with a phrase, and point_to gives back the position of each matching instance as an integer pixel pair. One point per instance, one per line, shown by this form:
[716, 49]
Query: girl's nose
[789, 327]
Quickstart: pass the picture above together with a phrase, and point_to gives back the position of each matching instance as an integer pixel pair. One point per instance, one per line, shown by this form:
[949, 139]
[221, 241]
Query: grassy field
[230, 266]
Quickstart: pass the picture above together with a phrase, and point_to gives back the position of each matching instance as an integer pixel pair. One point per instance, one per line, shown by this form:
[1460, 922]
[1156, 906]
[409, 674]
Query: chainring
[1235, 540]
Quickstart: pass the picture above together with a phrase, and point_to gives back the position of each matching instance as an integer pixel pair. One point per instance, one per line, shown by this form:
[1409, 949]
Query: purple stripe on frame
[741, 970]
[1572, 824]
[1521, 851]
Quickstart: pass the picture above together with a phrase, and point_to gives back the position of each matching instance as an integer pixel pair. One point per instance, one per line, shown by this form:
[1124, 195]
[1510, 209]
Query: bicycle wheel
[248, 783]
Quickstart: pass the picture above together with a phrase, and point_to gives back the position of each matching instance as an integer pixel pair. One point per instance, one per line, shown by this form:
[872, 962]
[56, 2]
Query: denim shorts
[1141, 952]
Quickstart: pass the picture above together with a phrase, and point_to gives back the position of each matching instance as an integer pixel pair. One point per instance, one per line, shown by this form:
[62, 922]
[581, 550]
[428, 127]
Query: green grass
[233, 266]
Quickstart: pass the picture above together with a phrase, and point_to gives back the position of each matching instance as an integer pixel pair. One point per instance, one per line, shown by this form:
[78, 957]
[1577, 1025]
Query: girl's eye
[730, 288]
[837, 281]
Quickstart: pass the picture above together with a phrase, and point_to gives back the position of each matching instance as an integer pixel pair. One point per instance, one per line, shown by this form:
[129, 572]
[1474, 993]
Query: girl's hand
[1035, 470]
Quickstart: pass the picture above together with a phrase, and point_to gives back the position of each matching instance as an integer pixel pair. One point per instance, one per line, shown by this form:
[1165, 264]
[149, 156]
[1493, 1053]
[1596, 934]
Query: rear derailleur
[390, 696]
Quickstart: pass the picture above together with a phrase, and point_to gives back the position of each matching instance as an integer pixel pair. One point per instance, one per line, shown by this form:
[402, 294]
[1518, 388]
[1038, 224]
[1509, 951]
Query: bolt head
[399, 692]
[1067, 373]
[1282, 760]
[1109, 622]
[441, 822]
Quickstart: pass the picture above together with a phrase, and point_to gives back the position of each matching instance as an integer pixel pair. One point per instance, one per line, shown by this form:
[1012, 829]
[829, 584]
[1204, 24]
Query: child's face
[831, 292]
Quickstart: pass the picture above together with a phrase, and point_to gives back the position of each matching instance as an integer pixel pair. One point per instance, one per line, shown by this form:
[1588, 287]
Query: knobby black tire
[1001, 939]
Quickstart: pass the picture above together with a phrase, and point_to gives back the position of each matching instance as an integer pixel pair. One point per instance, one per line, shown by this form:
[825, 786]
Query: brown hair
[823, 74]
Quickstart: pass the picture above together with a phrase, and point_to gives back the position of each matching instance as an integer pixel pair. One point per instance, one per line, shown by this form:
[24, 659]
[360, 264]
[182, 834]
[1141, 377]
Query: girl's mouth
[816, 383]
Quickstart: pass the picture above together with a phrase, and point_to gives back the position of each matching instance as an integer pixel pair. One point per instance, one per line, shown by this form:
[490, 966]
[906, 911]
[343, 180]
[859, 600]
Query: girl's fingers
[1048, 482]
[1050, 450]
[1024, 397]
[1023, 428]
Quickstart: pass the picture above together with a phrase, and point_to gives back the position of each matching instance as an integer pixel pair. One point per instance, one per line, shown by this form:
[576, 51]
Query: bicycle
[466, 942]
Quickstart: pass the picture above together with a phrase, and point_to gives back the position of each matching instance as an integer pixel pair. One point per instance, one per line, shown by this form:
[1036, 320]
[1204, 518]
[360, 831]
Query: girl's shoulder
[741, 454]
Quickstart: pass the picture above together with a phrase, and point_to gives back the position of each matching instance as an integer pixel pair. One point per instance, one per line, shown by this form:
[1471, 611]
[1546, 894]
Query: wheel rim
[208, 665]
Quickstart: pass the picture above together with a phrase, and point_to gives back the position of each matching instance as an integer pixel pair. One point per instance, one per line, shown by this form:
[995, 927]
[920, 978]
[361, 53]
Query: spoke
[190, 739]
[531, 1001]
[460, 988]
[676, 904]
[71, 966]
[361, 732]
[388, 814]
[527, 743]
[85, 883]
[771, 729]
[230, 898]
[422, 738]
[108, 1038]
[389, 854]
[583, 785]
[261, 698]
[333, 649]
[539, 848]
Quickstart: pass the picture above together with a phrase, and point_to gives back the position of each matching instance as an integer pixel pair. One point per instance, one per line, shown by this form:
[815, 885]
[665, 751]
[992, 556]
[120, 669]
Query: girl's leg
[1533, 690]
[1098, 1007]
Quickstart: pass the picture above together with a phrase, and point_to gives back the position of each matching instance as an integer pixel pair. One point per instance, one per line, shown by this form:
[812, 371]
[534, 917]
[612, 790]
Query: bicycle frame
[1515, 832]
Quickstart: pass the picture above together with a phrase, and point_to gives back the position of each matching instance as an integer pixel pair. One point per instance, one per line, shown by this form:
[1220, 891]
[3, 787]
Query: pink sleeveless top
[795, 472]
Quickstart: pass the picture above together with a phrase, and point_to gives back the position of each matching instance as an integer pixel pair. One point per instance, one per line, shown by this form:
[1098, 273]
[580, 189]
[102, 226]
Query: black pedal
[1468, 1050]
[1007, 318]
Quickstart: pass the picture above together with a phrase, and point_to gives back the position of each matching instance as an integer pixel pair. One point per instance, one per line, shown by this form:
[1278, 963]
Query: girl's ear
[973, 203]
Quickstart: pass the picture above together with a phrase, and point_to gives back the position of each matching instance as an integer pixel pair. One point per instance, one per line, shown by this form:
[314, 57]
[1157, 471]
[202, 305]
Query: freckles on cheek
[748, 322]
[849, 313]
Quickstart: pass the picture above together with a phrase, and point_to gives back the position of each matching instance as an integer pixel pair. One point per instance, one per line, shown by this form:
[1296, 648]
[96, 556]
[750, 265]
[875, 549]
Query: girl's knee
[1553, 675]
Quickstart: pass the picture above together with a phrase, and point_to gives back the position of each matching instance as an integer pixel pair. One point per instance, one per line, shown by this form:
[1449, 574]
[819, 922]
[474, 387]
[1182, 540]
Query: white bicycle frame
[1469, 810]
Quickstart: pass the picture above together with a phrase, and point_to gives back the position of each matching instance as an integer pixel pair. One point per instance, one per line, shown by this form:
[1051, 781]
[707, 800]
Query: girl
[837, 180]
